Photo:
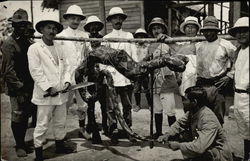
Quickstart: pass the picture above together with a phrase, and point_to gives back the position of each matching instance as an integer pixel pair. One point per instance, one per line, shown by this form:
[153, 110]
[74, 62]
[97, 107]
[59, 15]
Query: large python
[132, 70]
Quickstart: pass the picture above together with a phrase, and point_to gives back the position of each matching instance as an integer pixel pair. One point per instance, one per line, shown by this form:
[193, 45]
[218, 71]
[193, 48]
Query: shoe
[114, 137]
[62, 148]
[39, 154]
[136, 108]
[132, 139]
[84, 134]
[156, 136]
[20, 152]
[29, 149]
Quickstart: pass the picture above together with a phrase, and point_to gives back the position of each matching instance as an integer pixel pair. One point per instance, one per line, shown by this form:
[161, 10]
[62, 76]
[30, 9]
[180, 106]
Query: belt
[241, 91]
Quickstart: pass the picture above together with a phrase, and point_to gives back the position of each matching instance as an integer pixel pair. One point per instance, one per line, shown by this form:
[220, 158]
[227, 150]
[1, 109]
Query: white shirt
[119, 79]
[213, 58]
[242, 69]
[75, 50]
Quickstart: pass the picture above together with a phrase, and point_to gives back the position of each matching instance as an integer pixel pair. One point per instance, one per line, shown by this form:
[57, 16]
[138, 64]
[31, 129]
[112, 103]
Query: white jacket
[75, 50]
[47, 73]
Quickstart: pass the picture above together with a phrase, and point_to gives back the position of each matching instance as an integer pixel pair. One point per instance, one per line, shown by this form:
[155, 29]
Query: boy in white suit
[50, 71]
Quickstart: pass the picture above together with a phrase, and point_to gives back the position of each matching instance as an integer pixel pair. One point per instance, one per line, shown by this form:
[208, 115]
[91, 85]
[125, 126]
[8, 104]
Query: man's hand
[52, 92]
[162, 37]
[222, 82]
[163, 139]
[174, 145]
[66, 87]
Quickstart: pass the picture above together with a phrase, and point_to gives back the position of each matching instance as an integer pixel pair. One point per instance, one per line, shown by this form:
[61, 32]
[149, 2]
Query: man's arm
[36, 70]
[8, 66]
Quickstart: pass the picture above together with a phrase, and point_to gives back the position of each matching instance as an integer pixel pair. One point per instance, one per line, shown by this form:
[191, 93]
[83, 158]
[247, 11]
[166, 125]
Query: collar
[69, 29]
[117, 31]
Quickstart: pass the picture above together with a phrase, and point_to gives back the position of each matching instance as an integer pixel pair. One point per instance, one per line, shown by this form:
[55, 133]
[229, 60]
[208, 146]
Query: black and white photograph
[124, 80]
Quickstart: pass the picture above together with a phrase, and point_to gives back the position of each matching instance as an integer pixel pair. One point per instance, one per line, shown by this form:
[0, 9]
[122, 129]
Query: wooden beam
[103, 16]
[210, 9]
[236, 11]
[169, 21]
[195, 3]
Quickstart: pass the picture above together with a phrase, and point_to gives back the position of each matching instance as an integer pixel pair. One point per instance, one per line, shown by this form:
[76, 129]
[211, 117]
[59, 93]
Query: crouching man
[50, 71]
[199, 133]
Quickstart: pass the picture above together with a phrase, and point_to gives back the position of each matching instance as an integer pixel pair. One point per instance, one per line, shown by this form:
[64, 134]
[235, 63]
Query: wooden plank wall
[133, 9]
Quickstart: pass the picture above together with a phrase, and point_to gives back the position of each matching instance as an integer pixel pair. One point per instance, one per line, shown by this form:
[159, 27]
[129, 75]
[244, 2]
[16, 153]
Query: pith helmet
[116, 11]
[190, 20]
[91, 20]
[159, 21]
[74, 10]
[242, 22]
[210, 23]
[42, 23]
[140, 31]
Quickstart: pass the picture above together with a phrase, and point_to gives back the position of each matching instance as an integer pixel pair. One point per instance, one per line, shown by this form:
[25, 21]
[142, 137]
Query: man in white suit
[75, 53]
[51, 73]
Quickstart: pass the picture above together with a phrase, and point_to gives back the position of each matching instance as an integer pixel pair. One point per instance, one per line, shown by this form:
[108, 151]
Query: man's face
[49, 31]
[21, 29]
[157, 29]
[73, 21]
[210, 35]
[94, 29]
[242, 36]
[191, 30]
[141, 36]
[116, 21]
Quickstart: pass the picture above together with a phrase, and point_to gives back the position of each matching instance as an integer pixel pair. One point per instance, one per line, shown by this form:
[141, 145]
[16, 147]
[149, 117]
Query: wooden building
[141, 12]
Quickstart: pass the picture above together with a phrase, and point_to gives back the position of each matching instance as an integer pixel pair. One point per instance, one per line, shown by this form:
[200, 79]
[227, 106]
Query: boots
[19, 131]
[171, 120]
[83, 133]
[39, 154]
[158, 125]
[96, 138]
[61, 148]
[246, 149]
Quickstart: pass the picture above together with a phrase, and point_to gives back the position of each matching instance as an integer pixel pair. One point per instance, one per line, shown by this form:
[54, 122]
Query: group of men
[32, 70]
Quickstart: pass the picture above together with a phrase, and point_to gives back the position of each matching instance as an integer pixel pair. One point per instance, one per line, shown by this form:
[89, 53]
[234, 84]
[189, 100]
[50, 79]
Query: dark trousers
[125, 94]
[137, 88]
[91, 109]
[216, 99]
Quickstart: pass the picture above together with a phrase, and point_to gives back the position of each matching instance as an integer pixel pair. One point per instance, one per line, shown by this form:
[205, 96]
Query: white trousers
[241, 112]
[167, 103]
[45, 113]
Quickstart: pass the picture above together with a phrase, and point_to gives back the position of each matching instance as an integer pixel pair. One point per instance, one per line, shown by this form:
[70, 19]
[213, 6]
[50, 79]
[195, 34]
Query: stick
[145, 40]
[151, 142]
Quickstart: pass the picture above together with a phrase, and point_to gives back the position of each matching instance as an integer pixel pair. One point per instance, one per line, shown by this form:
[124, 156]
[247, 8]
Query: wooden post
[142, 14]
[221, 16]
[169, 21]
[31, 10]
[103, 15]
[210, 9]
[236, 11]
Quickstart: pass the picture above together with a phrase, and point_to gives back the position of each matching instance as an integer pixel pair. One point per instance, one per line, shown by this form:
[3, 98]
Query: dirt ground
[124, 151]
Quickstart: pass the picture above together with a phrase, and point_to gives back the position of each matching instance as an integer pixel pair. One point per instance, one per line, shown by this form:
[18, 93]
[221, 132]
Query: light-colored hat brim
[186, 23]
[100, 25]
[142, 33]
[156, 23]
[65, 15]
[233, 30]
[44, 22]
[210, 28]
[122, 14]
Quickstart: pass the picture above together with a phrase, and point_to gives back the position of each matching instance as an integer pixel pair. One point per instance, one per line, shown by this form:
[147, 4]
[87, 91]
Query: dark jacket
[15, 71]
